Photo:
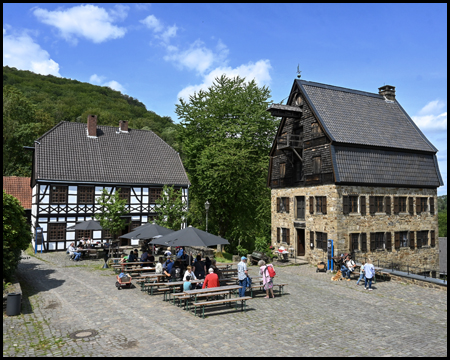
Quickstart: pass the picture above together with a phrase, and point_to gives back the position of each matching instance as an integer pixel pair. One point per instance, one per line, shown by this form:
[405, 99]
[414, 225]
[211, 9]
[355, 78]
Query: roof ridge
[52, 129]
[339, 88]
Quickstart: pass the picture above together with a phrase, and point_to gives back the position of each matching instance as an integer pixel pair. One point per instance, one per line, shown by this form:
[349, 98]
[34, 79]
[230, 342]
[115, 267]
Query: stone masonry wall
[339, 226]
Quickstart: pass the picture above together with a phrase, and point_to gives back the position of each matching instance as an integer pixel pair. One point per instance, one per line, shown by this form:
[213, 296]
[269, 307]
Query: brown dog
[337, 277]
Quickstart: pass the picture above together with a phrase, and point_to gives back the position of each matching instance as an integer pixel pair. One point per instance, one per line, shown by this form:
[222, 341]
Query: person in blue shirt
[167, 267]
[187, 284]
[369, 272]
[180, 253]
[242, 275]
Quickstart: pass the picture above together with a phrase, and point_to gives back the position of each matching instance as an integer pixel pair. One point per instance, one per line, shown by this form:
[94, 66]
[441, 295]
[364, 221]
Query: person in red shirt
[211, 280]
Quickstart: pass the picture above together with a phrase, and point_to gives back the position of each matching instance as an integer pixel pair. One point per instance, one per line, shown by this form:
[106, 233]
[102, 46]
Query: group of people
[133, 256]
[245, 280]
[367, 271]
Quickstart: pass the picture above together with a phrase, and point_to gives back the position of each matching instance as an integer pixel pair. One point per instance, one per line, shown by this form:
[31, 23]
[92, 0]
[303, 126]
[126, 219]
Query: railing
[290, 140]
[408, 269]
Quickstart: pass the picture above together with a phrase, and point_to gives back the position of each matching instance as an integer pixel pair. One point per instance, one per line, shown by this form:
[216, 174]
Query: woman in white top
[190, 273]
[159, 266]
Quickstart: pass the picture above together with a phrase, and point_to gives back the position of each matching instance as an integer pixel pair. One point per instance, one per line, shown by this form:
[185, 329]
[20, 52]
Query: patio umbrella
[86, 225]
[190, 236]
[147, 231]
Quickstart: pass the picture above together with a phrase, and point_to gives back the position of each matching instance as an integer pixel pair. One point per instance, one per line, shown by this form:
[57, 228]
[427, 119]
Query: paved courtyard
[316, 317]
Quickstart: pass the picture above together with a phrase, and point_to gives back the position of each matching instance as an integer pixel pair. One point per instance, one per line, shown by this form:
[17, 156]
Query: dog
[337, 277]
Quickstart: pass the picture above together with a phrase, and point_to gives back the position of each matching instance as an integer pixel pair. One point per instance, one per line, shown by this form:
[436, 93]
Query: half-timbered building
[352, 166]
[74, 162]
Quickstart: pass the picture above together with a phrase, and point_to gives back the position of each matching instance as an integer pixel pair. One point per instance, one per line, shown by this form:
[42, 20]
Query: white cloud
[88, 21]
[258, 71]
[432, 117]
[152, 23]
[100, 80]
[21, 52]
[170, 32]
[197, 57]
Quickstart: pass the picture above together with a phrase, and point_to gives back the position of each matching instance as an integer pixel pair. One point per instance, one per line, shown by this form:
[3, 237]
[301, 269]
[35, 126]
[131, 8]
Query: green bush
[16, 234]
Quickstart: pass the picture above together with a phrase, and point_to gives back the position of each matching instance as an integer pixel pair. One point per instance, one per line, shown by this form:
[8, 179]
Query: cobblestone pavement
[317, 317]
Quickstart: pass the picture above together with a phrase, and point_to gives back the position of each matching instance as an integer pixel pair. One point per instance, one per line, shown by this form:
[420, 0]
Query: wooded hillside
[33, 104]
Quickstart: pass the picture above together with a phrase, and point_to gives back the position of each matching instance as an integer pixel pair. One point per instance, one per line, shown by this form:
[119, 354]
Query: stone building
[352, 166]
[72, 164]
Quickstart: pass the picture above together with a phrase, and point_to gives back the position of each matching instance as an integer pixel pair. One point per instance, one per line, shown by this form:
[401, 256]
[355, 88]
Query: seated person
[187, 284]
[132, 257]
[211, 280]
[123, 259]
[167, 267]
[176, 274]
[74, 254]
[350, 266]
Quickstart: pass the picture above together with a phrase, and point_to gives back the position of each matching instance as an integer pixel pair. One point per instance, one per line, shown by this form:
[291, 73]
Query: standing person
[211, 280]
[167, 267]
[207, 262]
[199, 268]
[242, 275]
[180, 253]
[159, 266]
[216, 269]
[369, 272]
[267, 280]
[350, 266]
[361, 273]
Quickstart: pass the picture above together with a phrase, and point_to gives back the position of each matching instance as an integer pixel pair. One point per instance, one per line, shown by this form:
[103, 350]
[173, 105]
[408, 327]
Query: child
[361, 273]
[187, 284]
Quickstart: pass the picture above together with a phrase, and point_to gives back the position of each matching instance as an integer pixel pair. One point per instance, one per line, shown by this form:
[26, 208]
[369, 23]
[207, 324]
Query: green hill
[33, 103]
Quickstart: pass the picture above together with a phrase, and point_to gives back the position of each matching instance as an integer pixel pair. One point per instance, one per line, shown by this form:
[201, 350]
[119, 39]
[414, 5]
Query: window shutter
[363, 205]
[372, 205]
[346, 200]
[388, 241]
[388, 205]
[418, 206]
[396, 206]
[278, 204]
[311, 204]
[433, 239]
[411, 239]
[432, 205]
[324, 205]
[311, 239]
[363, 242]
[286, 204]
[397, 240]
[287, 236]
[278, 235]
[372, 241]
[411, 205]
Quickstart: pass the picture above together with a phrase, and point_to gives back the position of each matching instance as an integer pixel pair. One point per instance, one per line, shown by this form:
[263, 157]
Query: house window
[86, 194]
[377, 241]
[106, 234]
[421, 205]
[283, 204]
[154, 194]
[401, 239]
[354, 242]
[82, 234]
[278, 235]
[282, 170]
[56, 232]
[432, 205]
[317, 164]
[321, 204]
[135, 224]
[376, 204]
[363, 242]
[353, 204]
[315, 129]
[124, 194]
[422, 238]
[58, 194]
[399, 204]
[321, 240]
[300, 207]
[285, 235]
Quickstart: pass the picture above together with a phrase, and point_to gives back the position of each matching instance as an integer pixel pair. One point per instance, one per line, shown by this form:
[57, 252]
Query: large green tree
[226, 137]
[170, 209]
[16, 234]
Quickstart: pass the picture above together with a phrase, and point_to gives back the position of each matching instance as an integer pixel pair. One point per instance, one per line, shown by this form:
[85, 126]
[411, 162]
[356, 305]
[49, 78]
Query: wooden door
[300, 242]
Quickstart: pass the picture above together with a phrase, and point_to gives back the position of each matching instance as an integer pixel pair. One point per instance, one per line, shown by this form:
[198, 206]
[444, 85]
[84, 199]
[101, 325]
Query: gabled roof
[66, 153]
[357, 117]
[20, 188]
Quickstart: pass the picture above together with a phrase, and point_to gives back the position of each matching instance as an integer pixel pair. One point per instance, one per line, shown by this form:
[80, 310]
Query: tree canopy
[226, 137]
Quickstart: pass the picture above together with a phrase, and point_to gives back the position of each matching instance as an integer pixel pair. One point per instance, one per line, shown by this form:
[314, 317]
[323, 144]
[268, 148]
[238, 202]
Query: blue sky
[158, 53]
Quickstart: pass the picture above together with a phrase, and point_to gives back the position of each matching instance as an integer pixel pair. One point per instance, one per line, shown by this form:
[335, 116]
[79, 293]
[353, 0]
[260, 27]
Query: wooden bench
[223, 301]
[92, 253]
[182, 296]
[261, 287]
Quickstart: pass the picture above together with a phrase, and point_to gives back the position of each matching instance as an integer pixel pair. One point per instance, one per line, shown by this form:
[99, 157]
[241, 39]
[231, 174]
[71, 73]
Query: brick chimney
[92, 125]
[387, 91]
[123, 125]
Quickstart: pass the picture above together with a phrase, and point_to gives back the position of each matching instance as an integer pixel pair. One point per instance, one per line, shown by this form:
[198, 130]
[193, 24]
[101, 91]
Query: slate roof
[20, 188]
[66, 153]
[358, 117]
[380, 167]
